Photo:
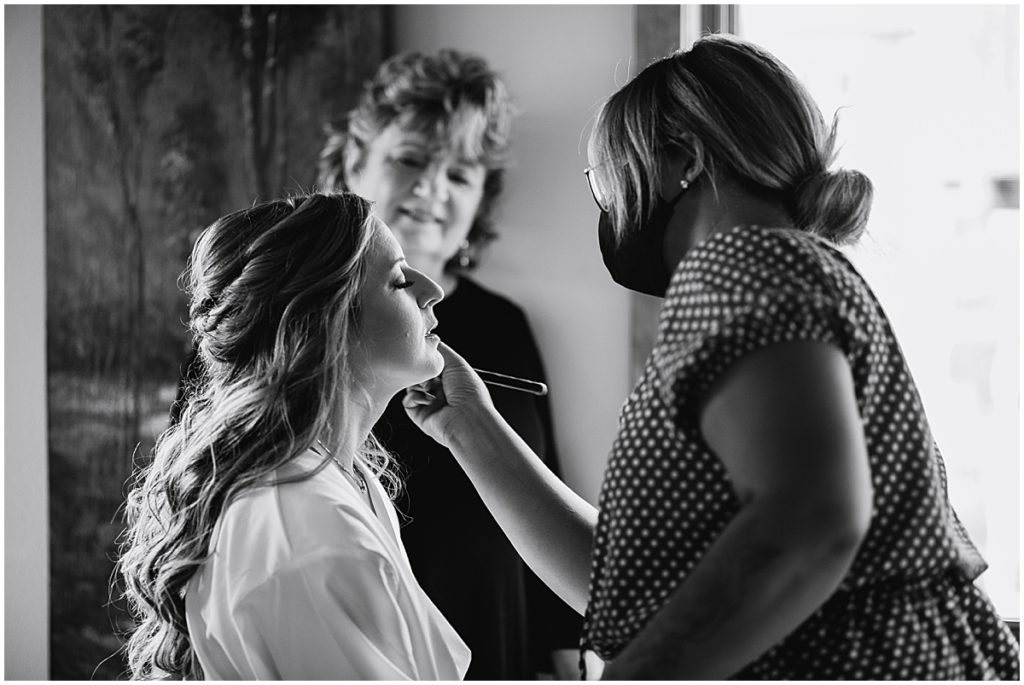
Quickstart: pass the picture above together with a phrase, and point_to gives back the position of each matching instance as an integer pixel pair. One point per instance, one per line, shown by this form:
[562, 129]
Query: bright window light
[928, 100]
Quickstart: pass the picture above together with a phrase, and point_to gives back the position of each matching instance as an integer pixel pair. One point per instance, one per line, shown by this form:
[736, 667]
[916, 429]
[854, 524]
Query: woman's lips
[420, 216]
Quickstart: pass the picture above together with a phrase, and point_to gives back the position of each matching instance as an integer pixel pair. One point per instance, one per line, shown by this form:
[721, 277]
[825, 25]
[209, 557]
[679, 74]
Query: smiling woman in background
[261, 541]
[428, 144]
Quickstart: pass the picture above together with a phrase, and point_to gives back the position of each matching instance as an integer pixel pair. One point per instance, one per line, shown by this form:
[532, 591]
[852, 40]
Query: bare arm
[784, 422]
[550, 526]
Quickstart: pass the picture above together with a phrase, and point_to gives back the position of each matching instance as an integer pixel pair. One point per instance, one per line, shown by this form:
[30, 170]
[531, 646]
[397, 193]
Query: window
[928, 100]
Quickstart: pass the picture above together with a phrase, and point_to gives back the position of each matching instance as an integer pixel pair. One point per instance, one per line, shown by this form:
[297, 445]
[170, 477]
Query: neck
[356, 419]
[705, 215]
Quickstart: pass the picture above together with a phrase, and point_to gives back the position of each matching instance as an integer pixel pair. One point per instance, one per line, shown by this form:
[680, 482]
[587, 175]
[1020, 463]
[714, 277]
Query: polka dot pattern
[907, 609]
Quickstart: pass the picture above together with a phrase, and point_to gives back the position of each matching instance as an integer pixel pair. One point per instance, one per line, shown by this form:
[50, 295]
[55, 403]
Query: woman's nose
[430, 293]
[432, 183]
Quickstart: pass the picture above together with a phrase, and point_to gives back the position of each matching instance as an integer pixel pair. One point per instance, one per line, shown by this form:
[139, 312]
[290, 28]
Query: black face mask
[638, 261]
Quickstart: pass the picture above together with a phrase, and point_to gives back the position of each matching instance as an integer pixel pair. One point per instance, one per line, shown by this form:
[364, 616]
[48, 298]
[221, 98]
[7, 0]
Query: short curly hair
[450, 96]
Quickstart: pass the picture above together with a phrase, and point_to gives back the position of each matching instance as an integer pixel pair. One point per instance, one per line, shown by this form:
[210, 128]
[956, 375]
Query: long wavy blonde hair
[273, 296]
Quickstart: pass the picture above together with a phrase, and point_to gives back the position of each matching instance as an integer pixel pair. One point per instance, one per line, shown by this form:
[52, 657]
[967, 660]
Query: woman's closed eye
[410, 161]
[459, 176]
[404, 283]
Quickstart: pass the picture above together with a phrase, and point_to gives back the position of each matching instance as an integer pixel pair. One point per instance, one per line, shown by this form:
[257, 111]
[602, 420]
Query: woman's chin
[438, 365]
[432, 367]
[428, 367]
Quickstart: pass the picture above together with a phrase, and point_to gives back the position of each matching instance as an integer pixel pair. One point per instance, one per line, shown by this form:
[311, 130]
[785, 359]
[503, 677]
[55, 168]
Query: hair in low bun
[833, 204]
[756, 123]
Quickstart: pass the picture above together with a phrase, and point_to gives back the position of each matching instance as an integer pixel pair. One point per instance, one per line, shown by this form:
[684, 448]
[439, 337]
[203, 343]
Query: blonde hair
[272, 289]
[757, 126]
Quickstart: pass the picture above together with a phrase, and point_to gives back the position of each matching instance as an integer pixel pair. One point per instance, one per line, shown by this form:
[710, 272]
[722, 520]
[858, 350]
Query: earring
[684, 184]
[463, 256]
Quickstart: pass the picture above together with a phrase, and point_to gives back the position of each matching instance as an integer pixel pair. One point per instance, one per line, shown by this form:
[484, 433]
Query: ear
[687, 164]
[693, 166]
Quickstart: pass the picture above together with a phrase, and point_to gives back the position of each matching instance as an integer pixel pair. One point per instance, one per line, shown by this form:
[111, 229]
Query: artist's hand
[445, 407]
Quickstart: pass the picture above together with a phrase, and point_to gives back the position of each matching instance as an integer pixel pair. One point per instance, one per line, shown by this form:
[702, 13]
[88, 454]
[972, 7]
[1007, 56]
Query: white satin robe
[306, 582]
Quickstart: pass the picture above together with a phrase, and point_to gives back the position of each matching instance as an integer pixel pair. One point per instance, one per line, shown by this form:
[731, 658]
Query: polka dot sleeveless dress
[908, 608]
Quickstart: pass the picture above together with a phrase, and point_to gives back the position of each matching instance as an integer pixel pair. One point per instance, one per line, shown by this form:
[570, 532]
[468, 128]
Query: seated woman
[262, 542]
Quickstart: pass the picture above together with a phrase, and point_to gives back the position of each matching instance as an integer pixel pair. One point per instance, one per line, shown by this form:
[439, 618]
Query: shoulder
[750, 266]
[270, 526]
[754, 258]
[750, 288]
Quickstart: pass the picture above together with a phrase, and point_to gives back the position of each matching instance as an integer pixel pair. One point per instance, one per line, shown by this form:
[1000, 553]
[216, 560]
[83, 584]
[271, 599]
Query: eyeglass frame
[594, 191]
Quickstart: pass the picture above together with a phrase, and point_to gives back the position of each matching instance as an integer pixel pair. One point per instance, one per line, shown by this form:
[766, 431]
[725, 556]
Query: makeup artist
[775, 505]
[428, 142]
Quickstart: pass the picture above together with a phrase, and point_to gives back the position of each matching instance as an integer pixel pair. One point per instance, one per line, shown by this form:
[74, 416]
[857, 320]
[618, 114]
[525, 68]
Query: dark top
[462, 559]
[908, 608]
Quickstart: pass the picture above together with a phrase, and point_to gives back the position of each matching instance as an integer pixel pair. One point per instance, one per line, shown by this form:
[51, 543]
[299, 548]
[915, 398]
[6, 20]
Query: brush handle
[512, 383]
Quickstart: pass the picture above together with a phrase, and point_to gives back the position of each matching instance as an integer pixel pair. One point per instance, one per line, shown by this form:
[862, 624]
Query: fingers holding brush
[423, 394]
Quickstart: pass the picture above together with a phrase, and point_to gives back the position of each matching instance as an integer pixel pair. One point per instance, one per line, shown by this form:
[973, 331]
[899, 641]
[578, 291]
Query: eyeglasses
[595, 189]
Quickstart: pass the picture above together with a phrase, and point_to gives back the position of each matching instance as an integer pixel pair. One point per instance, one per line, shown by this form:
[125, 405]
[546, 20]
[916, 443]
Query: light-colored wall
[26, 600]
[559, 62]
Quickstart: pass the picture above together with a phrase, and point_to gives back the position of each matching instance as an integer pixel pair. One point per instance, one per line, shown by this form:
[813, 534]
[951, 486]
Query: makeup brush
[512, 383]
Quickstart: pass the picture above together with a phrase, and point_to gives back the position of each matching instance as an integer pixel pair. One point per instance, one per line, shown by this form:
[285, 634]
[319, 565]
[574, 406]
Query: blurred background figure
[428, 143]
